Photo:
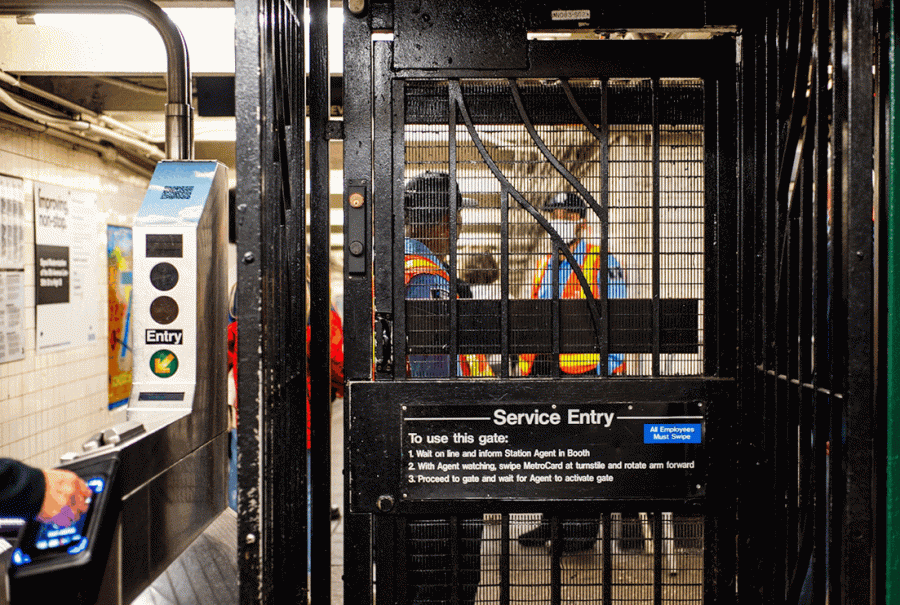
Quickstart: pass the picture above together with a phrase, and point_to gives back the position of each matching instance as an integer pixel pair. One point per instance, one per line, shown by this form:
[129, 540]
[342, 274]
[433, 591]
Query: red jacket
[337, 361]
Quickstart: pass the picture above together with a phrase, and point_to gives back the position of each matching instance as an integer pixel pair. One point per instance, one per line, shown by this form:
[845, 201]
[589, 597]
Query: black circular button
[164, 310]
[164, 276]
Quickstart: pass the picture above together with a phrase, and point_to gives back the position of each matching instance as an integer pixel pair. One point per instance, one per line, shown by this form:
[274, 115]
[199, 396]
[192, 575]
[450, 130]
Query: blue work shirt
[427, 286]
[615, 287]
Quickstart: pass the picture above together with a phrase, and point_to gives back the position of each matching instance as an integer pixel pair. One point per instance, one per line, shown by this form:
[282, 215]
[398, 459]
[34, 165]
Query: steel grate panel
[644, 568]
[502, 249]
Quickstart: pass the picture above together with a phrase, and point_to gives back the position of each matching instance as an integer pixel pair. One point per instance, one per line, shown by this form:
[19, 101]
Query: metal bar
[505, 560]
[603, 329]
[554, 310]
[806, 252]
[723, 323]
[602, 136]
[689, 58]
[774, 558]
[397, 129]
[607, 560]
[796, 60]
[455, 560]
[454, 235]
[319, 362]
[655, 270]
[249, 90]
[505, 358]
[399, 558]
[712, 167]
[837, 350]
[389, 530]
[657, 558]
[556, 549]
[892, 469]
[358, 528]
[750, 168]
[858, 291]
[358, 532]
[380, 212]
[358, 163]
[820, 308]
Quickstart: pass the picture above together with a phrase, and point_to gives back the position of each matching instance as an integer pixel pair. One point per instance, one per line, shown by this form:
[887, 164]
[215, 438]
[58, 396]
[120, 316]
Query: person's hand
[66, 497]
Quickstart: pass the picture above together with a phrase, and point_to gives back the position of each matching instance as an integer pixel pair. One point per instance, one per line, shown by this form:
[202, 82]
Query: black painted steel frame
[271, 92]
[808, 361]
[373, 161]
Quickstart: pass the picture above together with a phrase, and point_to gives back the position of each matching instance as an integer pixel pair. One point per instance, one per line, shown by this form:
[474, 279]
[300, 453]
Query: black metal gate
[539, 261]
[728, 207]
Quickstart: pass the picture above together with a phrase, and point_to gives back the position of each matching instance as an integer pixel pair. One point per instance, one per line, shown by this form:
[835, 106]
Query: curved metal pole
[179, 113]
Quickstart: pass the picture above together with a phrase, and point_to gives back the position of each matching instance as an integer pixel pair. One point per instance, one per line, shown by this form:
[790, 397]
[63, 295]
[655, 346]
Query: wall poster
[119, 272]
[12, 268]
[65, 233]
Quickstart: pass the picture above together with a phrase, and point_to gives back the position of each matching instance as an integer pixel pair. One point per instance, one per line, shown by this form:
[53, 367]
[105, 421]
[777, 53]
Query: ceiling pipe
[106, 153]
[179, 113]
[81, 126]
[82, 111]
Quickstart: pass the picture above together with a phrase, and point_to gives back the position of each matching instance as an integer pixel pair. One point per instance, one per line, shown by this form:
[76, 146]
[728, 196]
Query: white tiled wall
[52, 403]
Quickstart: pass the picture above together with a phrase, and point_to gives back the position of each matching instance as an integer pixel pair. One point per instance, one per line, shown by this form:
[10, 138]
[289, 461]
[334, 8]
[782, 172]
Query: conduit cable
[108, 154]
[82, 111]
[81, 126]
[104, 119]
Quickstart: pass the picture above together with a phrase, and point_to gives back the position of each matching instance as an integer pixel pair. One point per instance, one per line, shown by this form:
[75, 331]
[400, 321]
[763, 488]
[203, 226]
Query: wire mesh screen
[567, 209]
[526, 558]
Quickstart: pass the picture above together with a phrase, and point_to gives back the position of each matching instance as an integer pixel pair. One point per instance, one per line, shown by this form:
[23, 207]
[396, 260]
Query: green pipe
[892, 506]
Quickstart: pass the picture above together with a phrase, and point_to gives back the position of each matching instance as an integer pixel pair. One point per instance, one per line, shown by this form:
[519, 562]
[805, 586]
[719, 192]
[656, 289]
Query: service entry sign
[602, 450]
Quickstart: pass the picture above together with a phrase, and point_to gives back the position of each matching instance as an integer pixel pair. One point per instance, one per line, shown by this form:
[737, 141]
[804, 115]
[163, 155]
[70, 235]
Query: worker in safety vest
[427, 203]
[430, 550]
[567, 216]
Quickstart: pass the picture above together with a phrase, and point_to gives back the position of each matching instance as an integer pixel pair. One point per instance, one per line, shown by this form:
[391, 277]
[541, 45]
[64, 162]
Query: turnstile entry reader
[159, 478]
[173, 259]
[50, 562]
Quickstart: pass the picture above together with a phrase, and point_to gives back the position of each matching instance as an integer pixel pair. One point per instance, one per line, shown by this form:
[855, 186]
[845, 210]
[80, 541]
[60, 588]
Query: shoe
[579, 535]
[536, 537]
[335, 513]
[578, 544]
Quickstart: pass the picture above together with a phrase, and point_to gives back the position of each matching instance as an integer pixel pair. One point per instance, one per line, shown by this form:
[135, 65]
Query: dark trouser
[580, 534]
[430, 568]
[576, 534]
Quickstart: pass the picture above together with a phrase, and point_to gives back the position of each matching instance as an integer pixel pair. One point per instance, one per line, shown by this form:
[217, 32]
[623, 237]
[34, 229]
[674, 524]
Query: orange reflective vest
[574, 363]
[472, 365]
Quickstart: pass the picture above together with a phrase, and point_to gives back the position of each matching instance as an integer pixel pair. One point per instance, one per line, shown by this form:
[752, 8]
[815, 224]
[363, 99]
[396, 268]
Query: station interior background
[109, 71]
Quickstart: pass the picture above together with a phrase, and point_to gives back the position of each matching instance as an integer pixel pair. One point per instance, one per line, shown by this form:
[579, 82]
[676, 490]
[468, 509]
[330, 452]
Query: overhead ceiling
[115, 66]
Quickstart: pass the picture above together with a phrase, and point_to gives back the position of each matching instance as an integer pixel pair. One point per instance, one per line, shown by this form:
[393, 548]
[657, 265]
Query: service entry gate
[509, 439]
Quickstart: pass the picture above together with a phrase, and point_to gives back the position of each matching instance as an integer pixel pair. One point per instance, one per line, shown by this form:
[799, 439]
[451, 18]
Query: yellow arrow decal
[161, 366]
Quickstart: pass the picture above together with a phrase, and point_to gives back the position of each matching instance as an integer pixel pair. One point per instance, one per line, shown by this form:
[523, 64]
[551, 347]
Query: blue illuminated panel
[52, 538]
[673, 433]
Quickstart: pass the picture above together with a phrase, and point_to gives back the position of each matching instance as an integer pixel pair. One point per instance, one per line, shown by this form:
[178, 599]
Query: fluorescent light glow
[201, 28]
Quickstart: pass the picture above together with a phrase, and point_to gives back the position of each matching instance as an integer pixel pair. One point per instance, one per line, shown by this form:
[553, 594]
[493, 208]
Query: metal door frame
[373, 148]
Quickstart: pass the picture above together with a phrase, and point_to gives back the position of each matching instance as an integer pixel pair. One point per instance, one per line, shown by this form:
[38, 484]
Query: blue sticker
[673, 433]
